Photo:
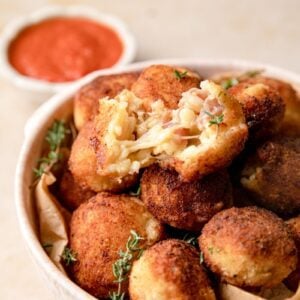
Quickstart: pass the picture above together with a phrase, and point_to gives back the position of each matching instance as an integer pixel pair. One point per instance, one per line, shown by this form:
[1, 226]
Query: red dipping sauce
[64, 49]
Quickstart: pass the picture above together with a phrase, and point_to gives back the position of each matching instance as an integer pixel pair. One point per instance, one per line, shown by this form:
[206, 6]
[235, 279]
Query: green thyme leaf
[228, 83]
[192, 240]
[201, 258]
[122, 266]
[179, 75]
[252, 73]
[68, 256]
[55, 137]
[215, 119]
[136, 193]
[47, 245]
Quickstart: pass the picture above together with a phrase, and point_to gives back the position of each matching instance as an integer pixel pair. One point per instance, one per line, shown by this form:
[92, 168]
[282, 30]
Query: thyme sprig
[55, 137]
[179, 75]
[230, 82]
[68, 256]
[215, 119]
[190, 239]
[135, 193]
[122, 266]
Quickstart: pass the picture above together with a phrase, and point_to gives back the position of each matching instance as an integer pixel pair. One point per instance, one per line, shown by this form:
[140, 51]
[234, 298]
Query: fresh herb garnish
[210, 250]
[252, 73]
[55, 137]
[215, 120]
[230, 82]
[122, 266]
[179, 75]
[201, 258]
[47, 245]
[136, 193]
[68, 256]
[190, 239]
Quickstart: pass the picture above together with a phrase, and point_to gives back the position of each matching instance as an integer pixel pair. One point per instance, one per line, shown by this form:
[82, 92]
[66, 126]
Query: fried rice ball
[86, 100]
[203, 135]
[272, 175]
[263, 108]
[99, 230]
[293, 280]
[248, 247]
[71, 194]
[184, 205]
[291, 121]
[166, 83]
[169, 270]
[83, 165]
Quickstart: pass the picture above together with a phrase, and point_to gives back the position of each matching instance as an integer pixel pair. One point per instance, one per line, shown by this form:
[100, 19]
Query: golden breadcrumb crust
[86, 100]
[263, 108]
[83, 165]
[99, 229]
[248, 247]
[293, 280]
[185, 205]
[71, 194]
[272, 175]
[170, 270]
[160, 82]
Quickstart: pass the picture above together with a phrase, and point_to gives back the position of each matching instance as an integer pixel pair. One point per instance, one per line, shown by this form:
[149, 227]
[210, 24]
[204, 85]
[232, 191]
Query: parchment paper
[53, 220]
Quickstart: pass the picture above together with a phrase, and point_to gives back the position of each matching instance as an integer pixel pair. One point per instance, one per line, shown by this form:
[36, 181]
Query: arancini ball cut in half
[86, 100]
[99, 230]
[83, 165]
[272, 175]
[170, 270]
[184, 205]
[203, 135]
[165, 83]
[248, 247]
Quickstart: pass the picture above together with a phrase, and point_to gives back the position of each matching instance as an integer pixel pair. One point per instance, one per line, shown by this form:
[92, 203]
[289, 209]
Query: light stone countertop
[261, 30]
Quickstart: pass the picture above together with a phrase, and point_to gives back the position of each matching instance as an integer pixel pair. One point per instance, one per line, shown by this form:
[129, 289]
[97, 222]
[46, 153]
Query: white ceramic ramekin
[57, 107]
[14, 27]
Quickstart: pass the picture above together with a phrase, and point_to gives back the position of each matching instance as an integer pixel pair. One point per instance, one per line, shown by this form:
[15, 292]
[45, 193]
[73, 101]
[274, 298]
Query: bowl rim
[46, 112]
[12, 29]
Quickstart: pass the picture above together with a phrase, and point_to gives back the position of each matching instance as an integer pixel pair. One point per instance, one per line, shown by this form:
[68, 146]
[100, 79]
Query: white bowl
[57, 107]
[12, 29]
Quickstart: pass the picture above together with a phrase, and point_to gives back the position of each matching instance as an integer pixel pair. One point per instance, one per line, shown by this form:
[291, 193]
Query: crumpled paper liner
[53, 229]
[281, 292]
[53, 220]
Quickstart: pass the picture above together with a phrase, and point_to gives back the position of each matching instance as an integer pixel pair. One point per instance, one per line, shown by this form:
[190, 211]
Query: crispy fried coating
[99, 229]
[86, 100]
[169, 270]
[291, 122]
[83, 165]
[71, 194]
[248, 247]
[293, 280]
[201, 136]
[272, 175]
[161, 82]
[263, 108]
[184, 205]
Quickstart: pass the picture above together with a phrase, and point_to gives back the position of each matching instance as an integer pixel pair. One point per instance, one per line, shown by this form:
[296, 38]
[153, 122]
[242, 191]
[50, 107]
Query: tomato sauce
[64, 49]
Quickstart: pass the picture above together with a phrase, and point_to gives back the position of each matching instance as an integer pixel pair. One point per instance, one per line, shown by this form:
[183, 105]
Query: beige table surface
[263, 30]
